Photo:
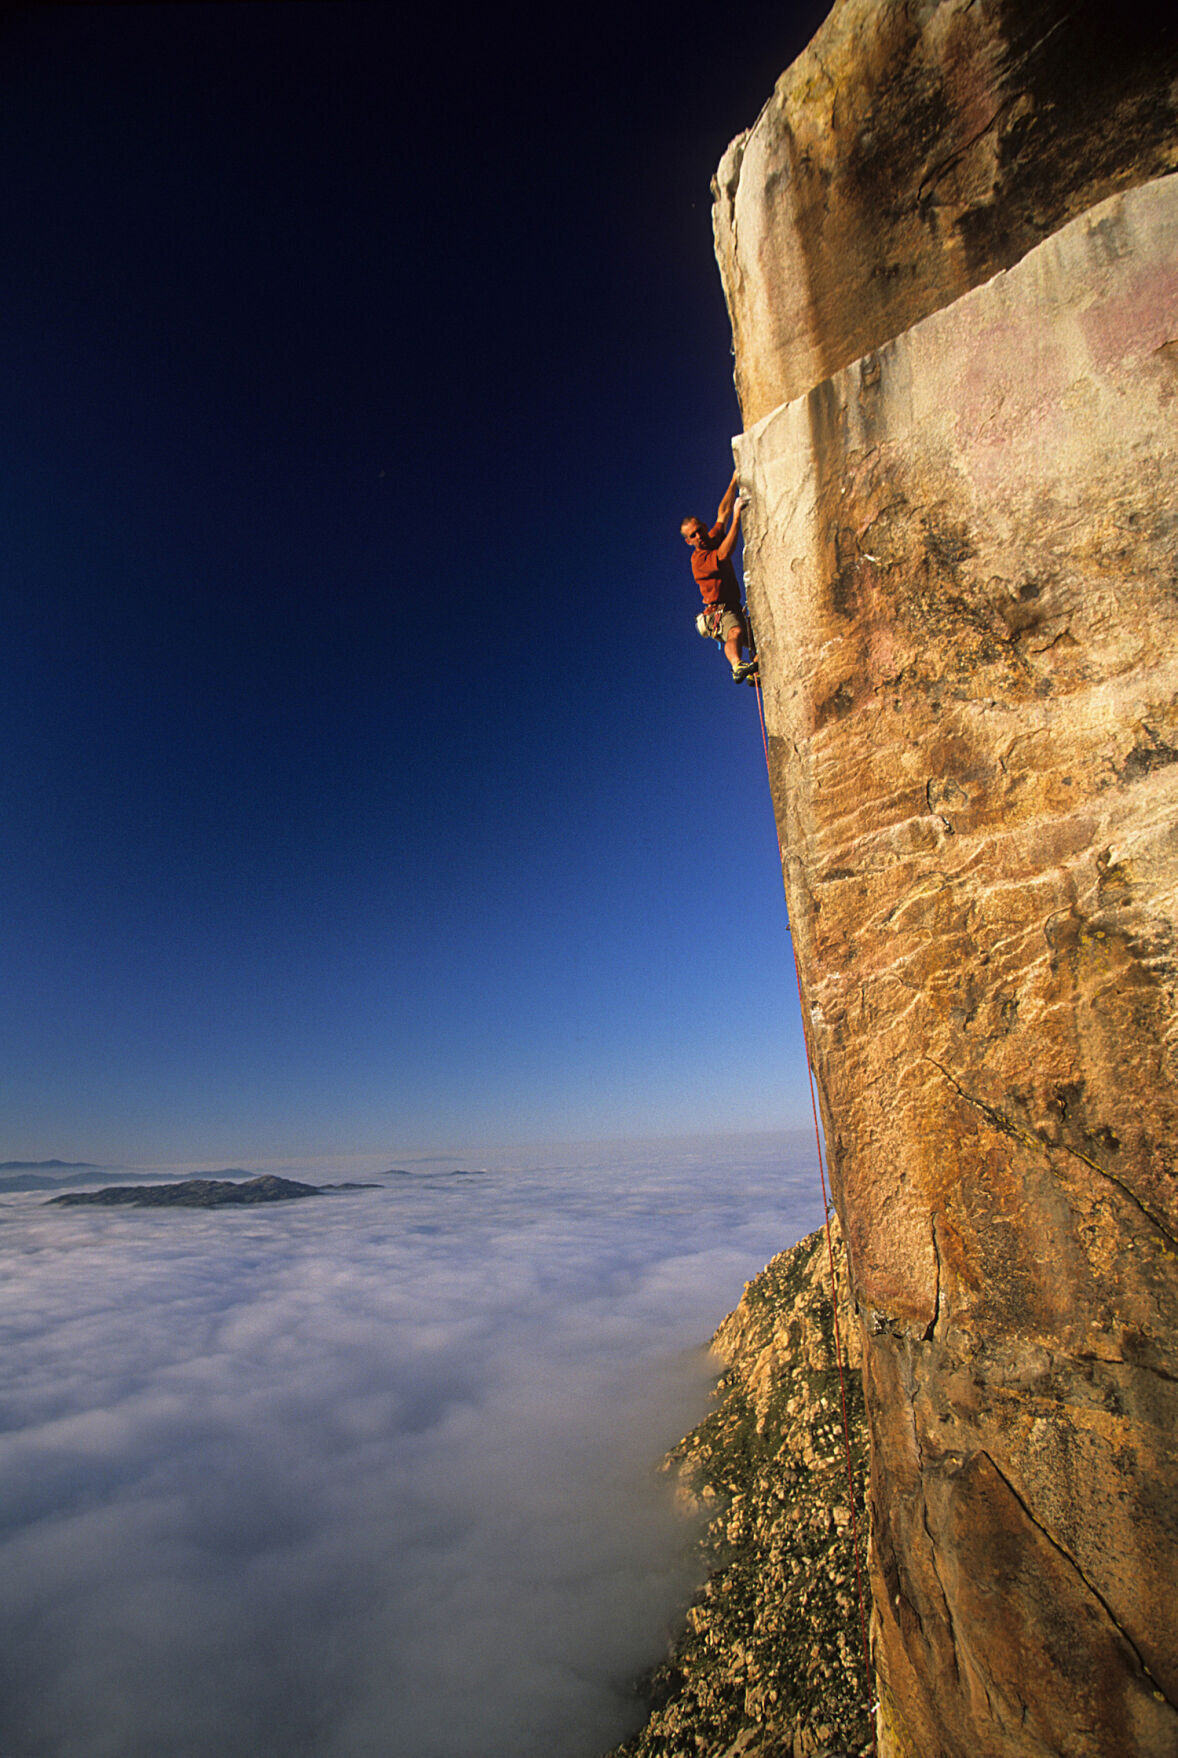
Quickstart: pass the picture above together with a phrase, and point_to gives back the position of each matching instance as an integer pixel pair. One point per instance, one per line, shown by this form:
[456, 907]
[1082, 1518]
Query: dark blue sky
[365, 782]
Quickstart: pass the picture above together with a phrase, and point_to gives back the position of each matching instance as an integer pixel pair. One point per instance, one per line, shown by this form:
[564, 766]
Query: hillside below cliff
[770, 1662]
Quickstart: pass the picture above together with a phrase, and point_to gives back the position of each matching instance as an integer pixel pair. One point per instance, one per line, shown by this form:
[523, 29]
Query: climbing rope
[826, 1207]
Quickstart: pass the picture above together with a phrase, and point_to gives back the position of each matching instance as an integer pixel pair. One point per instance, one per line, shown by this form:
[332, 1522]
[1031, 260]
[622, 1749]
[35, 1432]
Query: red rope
[838, 1344]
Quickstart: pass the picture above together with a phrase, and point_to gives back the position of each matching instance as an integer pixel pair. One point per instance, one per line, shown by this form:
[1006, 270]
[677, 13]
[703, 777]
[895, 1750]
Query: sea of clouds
[367, 1475]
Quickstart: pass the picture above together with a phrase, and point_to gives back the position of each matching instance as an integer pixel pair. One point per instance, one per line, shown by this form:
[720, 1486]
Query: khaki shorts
[722, 622]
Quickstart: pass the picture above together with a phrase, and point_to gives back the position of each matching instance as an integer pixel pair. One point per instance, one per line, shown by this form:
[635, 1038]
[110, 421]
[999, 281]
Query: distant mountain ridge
[20, 1176]
[50, 1166]
[23, 1175]
[192, 1193]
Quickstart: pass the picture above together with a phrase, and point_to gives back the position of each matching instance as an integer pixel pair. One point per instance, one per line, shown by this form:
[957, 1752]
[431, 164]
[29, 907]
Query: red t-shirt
[716, 579]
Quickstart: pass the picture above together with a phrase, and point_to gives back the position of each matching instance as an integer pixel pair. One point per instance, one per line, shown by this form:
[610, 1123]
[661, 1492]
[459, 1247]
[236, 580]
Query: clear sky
[365, 783]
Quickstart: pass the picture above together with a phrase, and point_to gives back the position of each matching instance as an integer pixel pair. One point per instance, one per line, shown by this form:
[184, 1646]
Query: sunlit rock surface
[962, 556]
[771, 1660]
[914, 149]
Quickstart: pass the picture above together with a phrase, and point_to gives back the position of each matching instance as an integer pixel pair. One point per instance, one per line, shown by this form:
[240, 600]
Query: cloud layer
[367, 1476]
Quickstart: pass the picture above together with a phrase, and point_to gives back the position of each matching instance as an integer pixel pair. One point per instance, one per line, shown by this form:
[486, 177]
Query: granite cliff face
[950, 250]
[770, 1664]
[912, 151]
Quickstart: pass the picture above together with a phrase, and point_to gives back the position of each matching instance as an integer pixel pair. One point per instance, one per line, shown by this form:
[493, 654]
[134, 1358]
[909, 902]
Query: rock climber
[711, 551]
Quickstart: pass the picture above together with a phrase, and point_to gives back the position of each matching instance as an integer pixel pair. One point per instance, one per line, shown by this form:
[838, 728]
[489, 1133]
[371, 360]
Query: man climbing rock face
[719, 588]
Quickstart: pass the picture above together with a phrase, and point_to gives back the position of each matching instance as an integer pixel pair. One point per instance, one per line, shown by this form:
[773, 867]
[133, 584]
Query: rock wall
[962, 559]
[770, 1664]
[916, 148]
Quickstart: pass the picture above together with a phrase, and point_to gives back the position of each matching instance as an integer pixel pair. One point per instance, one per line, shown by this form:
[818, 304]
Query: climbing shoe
[745, 672]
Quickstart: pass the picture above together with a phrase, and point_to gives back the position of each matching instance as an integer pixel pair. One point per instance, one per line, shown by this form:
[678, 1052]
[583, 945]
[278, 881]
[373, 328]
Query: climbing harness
[826, 1207]
[710, 621]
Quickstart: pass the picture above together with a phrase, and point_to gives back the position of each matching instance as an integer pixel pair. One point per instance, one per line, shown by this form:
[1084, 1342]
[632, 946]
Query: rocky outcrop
[962, 558]
[771, 1661]
[912, 151]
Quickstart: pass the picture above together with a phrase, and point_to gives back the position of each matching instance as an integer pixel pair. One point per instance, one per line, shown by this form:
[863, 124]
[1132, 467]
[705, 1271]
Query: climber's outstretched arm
[730, 536]
[725, 507]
